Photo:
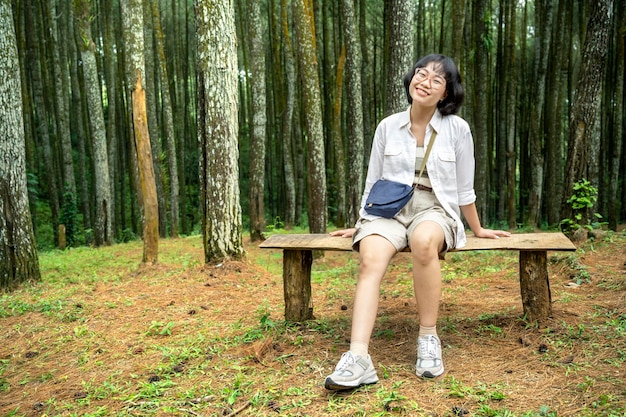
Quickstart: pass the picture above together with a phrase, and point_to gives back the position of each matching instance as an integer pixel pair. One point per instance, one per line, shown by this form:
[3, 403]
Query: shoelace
[428, 347]
[346, 360]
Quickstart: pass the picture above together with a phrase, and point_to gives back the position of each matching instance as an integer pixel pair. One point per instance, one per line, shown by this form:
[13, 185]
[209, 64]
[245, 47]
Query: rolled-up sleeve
[465, 165]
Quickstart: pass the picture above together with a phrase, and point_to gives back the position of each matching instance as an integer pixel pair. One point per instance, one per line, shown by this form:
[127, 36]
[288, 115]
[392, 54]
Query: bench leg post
[535, 285]
[297, 284]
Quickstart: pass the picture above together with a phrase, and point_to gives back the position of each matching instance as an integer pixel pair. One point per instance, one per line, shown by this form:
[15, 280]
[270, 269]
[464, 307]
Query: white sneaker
[352, 371]
[429, 363]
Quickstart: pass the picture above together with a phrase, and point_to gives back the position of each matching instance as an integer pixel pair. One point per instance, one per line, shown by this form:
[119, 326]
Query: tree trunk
[400, 15]
[150, 84]
[481, 130]
[218, 130]
[585, 106]
[133, 44]
[458, 20]
[617, 138]
[337, 144]
[35, 70]
[288, 120]
[543, 16]
[79, 120]
[312, 107]
[554, 121]
[259, 121]
[168, 122]
[18, 250]
[103, 232]
[57, 17]
[146, 175]
[354, 118]
[510, 68]
[535, 285]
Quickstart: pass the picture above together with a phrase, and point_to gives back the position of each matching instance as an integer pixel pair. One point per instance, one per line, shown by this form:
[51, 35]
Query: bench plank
[533, 267]
[520, 242]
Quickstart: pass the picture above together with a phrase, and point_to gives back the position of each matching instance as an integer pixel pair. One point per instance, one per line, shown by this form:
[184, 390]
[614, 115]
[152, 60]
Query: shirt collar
[435, 121]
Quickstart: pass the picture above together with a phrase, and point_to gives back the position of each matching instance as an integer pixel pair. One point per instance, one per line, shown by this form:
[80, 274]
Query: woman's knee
[424, 248]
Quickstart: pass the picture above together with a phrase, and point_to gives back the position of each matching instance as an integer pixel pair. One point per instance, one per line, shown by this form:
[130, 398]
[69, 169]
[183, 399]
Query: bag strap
[430, 146]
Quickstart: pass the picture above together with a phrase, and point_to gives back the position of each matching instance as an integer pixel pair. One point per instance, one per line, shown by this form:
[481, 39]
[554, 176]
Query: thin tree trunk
[553, 184]
[146, 175]
[481, 76]
[133, 43]
[18, 250]
[312, 107]
[36, 70]
[27, 104]
[168, 122]
[150, 84]
[57, 17]
[511, 69]
[337, 143]
[543, 16]
[367, 79]
[259, 121]
[80, 132]
[354, 118]
[103, 232]
[616, 141]
[288, 120]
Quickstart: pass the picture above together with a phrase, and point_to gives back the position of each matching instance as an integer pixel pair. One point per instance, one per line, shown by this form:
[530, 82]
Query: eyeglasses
[436, 80]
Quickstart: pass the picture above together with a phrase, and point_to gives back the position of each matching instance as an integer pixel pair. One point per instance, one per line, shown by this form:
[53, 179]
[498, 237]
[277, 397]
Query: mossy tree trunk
[218, 130]
[18, 250]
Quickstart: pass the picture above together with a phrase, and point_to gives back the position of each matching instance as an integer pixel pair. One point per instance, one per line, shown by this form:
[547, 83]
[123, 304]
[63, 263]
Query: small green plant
[276, 225]
[392, 401]
[158, 328]
[582, 201]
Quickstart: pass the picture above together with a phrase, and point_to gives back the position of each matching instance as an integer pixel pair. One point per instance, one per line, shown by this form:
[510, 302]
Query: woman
[429, 224]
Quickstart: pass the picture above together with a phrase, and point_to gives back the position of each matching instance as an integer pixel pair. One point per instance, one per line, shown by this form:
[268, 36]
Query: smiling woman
[429, 224]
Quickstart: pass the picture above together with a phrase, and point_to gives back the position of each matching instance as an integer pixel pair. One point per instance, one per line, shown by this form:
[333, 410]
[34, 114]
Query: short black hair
[454, 90]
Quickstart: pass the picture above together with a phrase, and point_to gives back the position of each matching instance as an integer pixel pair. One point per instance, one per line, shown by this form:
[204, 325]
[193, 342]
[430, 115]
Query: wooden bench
[533, 266]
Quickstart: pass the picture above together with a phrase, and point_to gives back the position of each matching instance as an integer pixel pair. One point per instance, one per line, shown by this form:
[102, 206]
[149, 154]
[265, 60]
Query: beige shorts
[423, 206]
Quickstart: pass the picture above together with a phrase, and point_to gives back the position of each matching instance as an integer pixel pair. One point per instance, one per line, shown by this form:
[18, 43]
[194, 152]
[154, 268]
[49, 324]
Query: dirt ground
[496, 363]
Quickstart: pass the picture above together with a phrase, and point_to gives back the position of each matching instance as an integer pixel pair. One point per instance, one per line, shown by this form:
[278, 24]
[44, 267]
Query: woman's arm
[471, 215]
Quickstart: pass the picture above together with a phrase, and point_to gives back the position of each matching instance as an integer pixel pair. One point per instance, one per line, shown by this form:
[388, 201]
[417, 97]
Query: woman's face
[428, 85]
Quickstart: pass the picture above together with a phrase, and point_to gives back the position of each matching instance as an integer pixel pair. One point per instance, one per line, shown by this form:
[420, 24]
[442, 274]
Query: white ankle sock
[359, 348]
[425, 330]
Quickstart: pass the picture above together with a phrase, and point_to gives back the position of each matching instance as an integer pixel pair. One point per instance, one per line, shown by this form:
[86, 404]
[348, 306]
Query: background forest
[544, 96]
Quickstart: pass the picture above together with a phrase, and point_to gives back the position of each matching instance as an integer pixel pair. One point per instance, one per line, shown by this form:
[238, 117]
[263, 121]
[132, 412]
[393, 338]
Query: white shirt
[450, 164]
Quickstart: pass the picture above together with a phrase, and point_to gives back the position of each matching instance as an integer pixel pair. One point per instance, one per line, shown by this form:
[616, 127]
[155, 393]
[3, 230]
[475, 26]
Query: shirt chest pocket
[395, 161]
[446, 164]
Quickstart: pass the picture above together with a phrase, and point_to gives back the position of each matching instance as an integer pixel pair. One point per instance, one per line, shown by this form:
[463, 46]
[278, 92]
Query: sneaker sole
[428, 374]
[331, 385]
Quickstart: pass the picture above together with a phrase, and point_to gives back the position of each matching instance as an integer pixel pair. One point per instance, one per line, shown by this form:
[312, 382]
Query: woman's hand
[344, 232]
[492, 234]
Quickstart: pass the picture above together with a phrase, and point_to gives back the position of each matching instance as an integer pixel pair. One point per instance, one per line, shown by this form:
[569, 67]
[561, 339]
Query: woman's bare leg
[375, 253]
[426, 242]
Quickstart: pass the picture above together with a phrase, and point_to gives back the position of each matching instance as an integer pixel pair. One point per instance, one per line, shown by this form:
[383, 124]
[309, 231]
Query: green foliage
[32, 185]
[159, 328]
[582, 201]
[126, 236]
[277, 225]
[69, 212]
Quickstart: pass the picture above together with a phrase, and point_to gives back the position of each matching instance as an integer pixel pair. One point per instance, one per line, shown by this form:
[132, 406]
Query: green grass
[102, 336]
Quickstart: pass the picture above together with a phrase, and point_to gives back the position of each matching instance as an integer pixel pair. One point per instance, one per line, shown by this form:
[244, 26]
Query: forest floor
[103, 335]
